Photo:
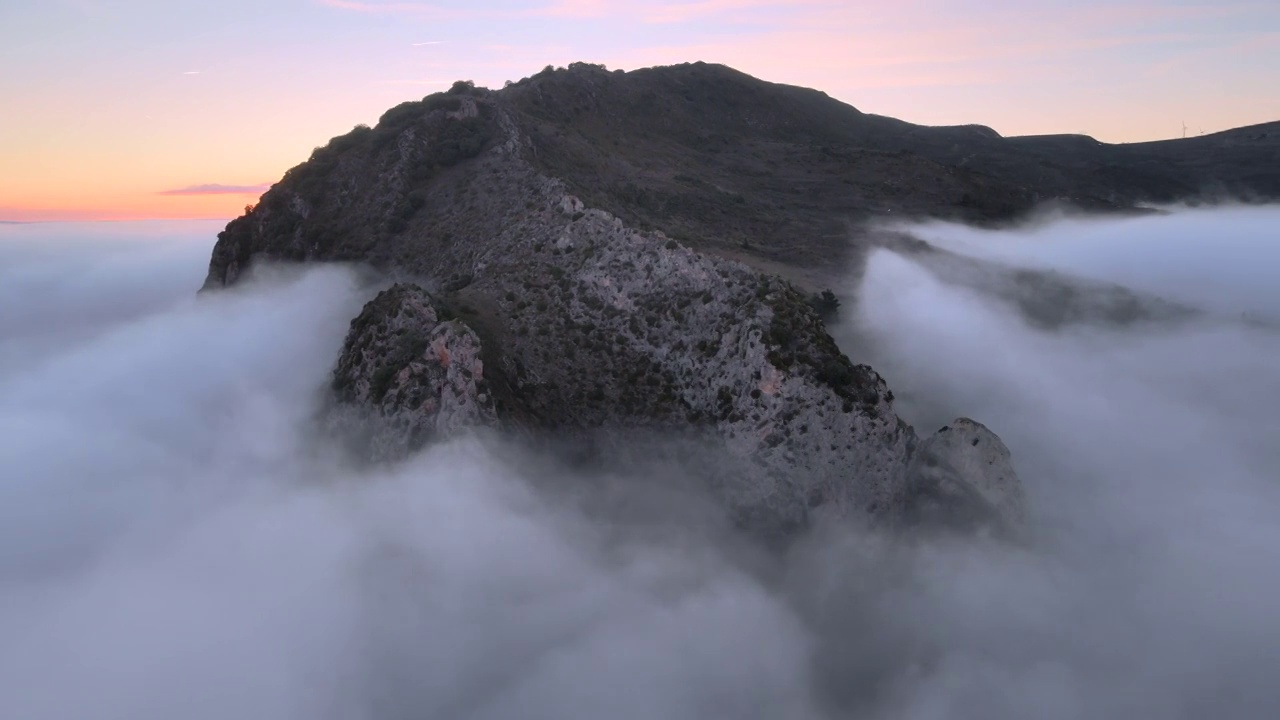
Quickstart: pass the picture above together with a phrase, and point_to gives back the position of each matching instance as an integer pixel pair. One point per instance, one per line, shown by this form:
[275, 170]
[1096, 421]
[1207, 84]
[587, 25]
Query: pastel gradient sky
[116, 109]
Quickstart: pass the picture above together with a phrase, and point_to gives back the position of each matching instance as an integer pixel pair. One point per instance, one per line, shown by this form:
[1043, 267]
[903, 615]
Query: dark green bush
[441, 101]
[400, 116]
[826, 304]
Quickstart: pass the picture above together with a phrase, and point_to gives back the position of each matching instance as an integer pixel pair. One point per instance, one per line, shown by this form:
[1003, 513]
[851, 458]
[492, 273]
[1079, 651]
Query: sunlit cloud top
[111, 105]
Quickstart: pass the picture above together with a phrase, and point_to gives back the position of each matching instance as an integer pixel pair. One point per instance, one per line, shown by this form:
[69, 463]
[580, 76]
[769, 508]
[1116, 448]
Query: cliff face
[589, 254]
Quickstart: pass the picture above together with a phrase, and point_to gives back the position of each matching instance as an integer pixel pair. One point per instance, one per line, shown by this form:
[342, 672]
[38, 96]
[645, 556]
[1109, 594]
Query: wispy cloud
[1145, 14]
[662, 13]
[412, 82]
[681, 12]
[217, 189]
[372, 7]
[191, 72]
[1235, 49]
[416, 9]
[429, 42]
[577, 9]
[634, 10]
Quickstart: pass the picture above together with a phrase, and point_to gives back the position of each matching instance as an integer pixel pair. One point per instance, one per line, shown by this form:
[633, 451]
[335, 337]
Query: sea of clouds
[177, 541]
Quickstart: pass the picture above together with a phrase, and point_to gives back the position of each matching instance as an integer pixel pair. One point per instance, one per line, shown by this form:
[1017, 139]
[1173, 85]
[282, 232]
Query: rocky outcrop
[606, 330]
[406, 375]
[962, 477]
[560, 319]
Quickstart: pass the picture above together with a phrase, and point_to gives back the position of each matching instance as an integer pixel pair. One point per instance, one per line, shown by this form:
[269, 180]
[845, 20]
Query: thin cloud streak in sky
[217, 189]
[420, 10]
[651, 13]
[687, 12]
[411, 82]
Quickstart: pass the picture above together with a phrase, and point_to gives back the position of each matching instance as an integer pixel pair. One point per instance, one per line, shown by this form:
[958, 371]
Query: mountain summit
[604, 257]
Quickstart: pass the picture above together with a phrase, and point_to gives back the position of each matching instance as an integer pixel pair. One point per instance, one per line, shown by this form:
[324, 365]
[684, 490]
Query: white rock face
[406, 376]
[963, 477]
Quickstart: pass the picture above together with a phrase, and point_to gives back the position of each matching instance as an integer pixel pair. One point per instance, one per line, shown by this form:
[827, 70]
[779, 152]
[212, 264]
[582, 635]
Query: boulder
[962, 477]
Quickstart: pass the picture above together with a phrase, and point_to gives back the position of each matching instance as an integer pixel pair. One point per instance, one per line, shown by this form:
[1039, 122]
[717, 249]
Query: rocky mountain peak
[588, 252]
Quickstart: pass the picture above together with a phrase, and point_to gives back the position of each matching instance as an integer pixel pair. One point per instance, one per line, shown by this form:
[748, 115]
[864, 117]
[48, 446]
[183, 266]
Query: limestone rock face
[408, 375]
[615, 329]
[962, 477]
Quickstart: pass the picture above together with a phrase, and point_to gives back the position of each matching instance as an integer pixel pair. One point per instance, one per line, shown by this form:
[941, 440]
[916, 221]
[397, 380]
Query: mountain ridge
[631, 252]
[785, 178]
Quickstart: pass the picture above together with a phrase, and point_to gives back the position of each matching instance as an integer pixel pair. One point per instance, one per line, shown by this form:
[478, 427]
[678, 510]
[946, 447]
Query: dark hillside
[724, 161]
[727, 162]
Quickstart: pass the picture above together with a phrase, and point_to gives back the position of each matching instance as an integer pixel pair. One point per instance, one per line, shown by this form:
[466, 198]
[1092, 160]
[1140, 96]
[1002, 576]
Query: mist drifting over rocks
[177, 541]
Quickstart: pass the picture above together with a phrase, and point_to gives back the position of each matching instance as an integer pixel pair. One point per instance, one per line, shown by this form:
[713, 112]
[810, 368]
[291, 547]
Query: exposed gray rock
[622, 329]
[407, 374]
[608, 331]
[593, 330]
[962, 477]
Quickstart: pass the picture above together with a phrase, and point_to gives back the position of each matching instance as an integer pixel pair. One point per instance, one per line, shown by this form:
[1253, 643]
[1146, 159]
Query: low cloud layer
[1148, 452]
[175, 541]
[1221, 260]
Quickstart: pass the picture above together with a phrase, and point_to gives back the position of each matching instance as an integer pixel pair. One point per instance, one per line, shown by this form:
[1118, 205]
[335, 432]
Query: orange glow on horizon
[186, 207]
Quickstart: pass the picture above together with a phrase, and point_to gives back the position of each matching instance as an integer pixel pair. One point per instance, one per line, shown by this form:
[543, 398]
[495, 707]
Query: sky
[130, 109]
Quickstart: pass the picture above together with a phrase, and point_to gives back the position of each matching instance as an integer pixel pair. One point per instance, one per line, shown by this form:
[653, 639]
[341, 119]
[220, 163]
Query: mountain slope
[614, 254]
[779, 174]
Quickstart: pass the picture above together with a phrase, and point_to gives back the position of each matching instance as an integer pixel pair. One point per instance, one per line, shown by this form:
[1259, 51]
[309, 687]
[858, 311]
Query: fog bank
[1149, 454]
[1219, 259]
[175, 540]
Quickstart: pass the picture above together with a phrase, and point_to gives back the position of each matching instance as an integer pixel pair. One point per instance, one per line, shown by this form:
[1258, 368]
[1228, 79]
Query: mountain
[782, 176]
[605, 259]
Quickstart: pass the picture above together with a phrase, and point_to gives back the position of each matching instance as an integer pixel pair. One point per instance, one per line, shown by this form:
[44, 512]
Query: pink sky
[185, 108]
